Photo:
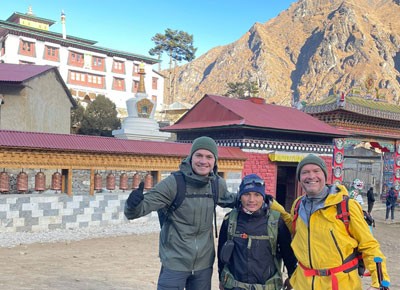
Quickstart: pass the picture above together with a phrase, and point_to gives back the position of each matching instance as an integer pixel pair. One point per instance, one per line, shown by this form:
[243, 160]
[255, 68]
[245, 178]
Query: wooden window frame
[54, 54]
[27, 48]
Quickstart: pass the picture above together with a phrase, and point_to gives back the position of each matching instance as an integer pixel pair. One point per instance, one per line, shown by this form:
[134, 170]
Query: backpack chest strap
[250, 238]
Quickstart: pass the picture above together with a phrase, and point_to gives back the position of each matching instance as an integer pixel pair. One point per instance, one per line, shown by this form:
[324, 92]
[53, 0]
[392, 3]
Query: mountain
[311, 50]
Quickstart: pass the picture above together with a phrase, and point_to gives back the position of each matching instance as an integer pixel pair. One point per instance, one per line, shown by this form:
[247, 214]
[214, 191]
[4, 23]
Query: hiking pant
[370, 206]
[179, 280]
[391, 209]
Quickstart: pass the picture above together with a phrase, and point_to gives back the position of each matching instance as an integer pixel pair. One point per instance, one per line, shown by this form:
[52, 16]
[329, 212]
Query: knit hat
[206, 143]
[312, 159]
[251, 183]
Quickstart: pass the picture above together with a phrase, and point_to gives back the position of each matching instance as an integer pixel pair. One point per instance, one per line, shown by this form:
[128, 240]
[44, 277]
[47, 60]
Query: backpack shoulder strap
[180, 193]
[164, 213]
[215, 189]
[232, 223]
[295, 214]
[272, 230]
[343, 212]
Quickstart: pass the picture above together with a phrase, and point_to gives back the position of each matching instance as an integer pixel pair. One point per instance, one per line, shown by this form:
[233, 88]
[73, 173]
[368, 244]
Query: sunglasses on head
[255, 181]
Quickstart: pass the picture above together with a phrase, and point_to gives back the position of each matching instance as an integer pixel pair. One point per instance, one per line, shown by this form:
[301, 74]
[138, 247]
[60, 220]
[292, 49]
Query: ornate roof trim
[368, 107]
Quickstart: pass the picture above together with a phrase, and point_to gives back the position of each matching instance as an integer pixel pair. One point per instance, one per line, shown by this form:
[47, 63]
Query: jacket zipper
[336, 245]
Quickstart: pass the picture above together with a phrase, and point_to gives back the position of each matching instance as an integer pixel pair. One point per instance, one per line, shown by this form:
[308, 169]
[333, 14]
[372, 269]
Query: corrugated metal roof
[19, 73]
[96, 144]
[224, 112]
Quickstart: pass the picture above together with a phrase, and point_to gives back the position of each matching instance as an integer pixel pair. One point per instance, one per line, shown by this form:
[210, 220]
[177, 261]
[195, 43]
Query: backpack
[343, 214]
[165, 212]
[227, 249]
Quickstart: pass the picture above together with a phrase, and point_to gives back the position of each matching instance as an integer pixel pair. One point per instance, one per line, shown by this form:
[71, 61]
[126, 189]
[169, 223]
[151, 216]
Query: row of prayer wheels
[22, 181]
[56, 181]
[123, 181]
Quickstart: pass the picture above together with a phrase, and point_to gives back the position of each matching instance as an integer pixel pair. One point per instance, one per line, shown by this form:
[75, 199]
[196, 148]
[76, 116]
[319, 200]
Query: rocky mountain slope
[313, 49]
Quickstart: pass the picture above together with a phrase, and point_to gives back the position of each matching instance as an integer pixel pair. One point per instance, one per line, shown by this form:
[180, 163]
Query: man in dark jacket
[370, 199]
[186, 245]
[252, 242]
[391, 199]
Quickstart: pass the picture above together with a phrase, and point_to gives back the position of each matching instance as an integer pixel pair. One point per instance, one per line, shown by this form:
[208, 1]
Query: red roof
[21, 72]
[96, 144]
[218, 111]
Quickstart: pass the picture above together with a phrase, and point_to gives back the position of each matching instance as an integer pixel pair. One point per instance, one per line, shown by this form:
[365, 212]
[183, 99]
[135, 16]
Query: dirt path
[127, 262]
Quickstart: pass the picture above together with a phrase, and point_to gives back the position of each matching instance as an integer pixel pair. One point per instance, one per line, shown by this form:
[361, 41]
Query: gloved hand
[136, 196]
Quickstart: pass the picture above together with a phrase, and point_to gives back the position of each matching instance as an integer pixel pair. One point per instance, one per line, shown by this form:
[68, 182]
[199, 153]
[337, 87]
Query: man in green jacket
[186, 245]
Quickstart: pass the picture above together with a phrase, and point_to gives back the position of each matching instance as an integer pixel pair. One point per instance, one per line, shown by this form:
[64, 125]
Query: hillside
[313, 49]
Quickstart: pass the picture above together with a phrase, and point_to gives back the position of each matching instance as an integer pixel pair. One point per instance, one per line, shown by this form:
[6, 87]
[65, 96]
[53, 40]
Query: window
[51, 53]
[27, 48]
[135, 86]
[118, 67]
[119, 84]
[135, 69]
[154, 99]
[2, 48]
[154, 83]
[75, 59]
[86, 79]
[98, 63]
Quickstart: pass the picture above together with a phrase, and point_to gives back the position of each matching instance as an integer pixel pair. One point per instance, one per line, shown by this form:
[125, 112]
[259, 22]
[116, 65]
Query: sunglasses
[255, 181]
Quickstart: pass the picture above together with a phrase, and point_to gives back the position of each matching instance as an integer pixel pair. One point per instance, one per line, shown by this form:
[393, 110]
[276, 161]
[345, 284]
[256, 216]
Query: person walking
[391, 199]
[186, 246]
[326, 249]
[252, 242]
[370, 199]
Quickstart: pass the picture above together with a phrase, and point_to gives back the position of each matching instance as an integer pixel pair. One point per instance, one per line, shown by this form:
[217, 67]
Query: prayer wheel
[22, 182]
[135, 181]
[98, 183]
[4, 182]
[123, 181]
[148, 181]
[40, 181]
[110, 181]
[56, 181]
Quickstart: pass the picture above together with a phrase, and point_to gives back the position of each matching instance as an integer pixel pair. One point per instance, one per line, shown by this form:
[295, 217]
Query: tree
[242, 90]
[77, 117]
[100, 118]
[178, 45]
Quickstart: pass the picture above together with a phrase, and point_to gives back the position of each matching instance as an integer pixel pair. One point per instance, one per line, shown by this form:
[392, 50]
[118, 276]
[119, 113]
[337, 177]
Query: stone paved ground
[127, 262]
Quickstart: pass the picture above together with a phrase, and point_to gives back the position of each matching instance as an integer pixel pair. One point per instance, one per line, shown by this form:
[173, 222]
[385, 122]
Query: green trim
[363, 106]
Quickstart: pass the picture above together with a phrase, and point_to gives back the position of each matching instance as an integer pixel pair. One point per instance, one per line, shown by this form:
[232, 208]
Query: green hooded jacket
[186, 240]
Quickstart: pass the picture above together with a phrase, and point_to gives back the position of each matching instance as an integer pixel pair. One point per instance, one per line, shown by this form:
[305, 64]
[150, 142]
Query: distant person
[370, 199]
[186, 246]
[253, 240]
[326, 249]
[391, 199]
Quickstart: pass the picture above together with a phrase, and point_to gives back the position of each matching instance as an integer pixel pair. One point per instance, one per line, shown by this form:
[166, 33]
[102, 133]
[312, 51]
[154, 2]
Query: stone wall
[46, 211]
[42, 212]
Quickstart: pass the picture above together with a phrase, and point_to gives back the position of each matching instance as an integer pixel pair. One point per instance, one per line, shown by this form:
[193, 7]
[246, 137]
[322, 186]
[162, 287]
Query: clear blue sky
[129, 25]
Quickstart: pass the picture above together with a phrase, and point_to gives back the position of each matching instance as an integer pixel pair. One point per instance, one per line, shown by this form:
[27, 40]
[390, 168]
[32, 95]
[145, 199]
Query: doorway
[286, 184]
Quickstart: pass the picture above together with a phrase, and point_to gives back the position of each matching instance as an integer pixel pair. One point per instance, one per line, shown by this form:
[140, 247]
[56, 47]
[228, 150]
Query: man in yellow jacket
[325, 248]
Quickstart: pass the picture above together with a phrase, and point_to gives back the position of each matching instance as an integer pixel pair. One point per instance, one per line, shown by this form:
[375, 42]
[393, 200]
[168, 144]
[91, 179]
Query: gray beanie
[204, 143]
[312, 159]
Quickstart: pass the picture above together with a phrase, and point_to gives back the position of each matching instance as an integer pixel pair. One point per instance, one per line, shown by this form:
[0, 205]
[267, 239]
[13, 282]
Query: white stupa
[140, 123]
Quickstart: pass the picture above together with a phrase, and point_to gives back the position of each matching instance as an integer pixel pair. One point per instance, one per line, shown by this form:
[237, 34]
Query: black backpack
[165, 212]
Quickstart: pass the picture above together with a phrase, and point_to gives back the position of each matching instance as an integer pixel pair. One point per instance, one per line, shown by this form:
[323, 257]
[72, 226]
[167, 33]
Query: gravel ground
[8, 240]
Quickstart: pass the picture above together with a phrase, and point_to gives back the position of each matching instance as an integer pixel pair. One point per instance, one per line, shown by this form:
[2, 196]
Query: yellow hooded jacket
[325, 244]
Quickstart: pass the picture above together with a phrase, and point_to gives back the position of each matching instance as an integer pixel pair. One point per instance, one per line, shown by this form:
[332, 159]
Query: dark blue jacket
[255, 265]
